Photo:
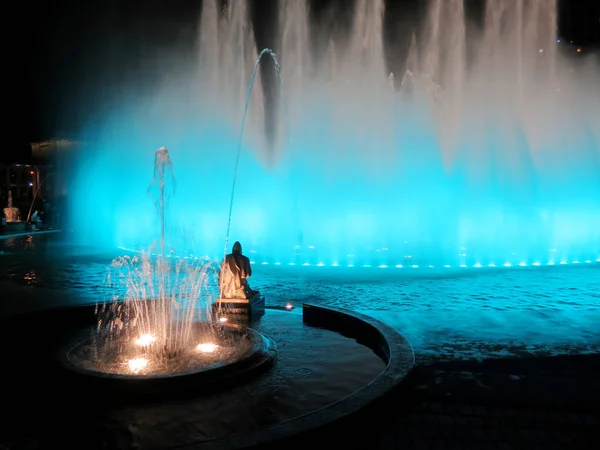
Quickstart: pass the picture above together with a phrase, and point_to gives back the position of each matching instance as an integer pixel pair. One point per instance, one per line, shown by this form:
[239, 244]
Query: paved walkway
[545, 403]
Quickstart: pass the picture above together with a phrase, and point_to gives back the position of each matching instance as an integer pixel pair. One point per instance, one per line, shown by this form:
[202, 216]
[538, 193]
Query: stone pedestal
[240, 308]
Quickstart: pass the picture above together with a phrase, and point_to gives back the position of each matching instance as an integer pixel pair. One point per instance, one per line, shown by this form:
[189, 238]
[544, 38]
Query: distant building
[59, 155]
[45, 174]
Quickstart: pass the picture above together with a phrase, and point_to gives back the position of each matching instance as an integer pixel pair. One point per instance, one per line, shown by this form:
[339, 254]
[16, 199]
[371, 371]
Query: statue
[234, 274]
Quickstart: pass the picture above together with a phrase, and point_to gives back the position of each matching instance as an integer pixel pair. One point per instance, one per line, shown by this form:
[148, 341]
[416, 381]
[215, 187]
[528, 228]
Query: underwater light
[206, 348]
[137, 364]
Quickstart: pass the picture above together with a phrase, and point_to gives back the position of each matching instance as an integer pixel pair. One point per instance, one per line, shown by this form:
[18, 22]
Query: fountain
[485, 152]
[159, 321]
[11, 213]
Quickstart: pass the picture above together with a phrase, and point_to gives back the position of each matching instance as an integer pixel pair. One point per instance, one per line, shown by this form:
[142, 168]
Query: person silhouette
[234, 274]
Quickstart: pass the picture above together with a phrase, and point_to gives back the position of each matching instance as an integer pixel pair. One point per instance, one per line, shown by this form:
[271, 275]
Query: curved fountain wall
[484, 152]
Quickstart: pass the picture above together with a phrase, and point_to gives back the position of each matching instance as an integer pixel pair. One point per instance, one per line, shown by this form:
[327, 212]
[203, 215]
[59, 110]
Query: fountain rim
[386, 342]
[259, 343]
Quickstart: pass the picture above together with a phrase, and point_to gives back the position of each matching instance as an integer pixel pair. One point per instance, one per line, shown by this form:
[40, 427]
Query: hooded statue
[235, 270]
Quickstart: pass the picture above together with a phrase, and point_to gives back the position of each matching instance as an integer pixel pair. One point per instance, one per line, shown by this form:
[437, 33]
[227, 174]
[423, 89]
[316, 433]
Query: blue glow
[372, 177]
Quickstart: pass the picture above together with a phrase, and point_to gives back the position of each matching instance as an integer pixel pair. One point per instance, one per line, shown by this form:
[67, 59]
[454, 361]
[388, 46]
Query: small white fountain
[159, 322]
[12, 214]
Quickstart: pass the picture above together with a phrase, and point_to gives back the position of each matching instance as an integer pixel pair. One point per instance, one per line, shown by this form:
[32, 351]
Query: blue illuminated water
[493, 159]
[445, 313]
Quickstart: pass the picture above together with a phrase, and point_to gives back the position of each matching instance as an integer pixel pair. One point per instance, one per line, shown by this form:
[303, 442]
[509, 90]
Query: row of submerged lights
[447, 266]
[137, 365]
[409, 264]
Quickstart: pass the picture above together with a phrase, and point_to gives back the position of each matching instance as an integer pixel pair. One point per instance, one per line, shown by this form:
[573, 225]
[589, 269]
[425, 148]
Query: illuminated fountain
[12, 214]
[484, 153]
[159, 322]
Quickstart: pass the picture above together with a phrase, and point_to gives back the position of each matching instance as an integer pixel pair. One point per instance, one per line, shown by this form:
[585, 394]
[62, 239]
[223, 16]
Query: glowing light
[550, 263]
[292, 264]
[320, 265]
[477, 265]
[207, 348]
[536, 263]
[277, 263]
[223, 319]
[414, 266]
[507, 264]
[447, 266]
[289, 306]
[145, 340]
[32, 172]
[335, 265]
[306, 264]
[588, 261]
[463, 265]
[522, 264]
[575, 262]
[265, 263]
[383, 266]
[137, 364]
[398, 266]
[563, 262]
[252, 262]
[579, 50]
[350, 265]
[367, 265]
[431, 267]
[491, 265]
[30, 183]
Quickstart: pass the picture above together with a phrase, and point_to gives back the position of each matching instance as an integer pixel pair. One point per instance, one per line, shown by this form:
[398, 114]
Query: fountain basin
[217, 354]
[331, 363]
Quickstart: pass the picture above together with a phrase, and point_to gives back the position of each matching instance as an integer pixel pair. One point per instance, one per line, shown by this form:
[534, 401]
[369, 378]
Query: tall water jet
[297, 63]
[236, 64]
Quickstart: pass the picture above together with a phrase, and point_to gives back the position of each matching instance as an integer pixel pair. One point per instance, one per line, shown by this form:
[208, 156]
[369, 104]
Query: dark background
[70, 52]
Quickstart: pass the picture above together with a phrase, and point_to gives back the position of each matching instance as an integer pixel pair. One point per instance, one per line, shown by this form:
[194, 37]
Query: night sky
[70, 51]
